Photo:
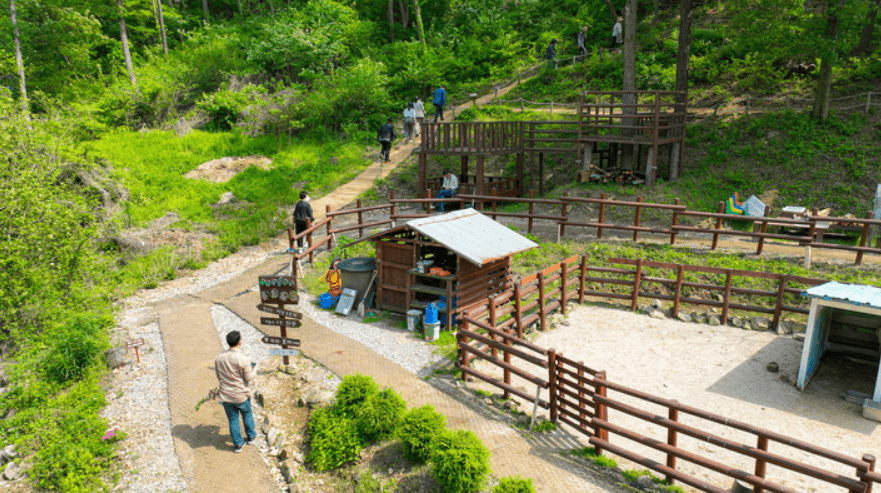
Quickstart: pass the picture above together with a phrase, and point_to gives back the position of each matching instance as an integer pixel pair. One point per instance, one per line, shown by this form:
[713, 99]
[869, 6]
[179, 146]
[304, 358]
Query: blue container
[442, 306]
[430, 314]
[326, 300]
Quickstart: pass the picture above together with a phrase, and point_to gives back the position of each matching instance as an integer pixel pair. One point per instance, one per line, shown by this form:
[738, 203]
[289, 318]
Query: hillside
[112, 105]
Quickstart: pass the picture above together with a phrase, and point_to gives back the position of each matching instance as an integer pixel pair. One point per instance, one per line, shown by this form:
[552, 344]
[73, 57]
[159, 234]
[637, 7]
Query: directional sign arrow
[284, 352]
[277, 322]
[279, 311]
[281, 341]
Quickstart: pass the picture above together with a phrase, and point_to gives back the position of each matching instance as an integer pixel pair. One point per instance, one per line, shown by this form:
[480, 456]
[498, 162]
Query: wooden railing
[471, 137]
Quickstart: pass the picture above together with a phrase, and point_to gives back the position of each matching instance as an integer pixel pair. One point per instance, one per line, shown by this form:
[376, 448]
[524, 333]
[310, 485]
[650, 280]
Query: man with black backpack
[386, 136]
[302, 218]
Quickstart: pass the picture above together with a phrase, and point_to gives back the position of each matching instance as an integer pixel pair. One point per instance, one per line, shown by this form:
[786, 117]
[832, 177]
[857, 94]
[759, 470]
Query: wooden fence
[581, 397]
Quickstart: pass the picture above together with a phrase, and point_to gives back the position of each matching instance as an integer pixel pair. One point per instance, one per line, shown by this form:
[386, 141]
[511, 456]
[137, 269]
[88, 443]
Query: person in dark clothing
[302, 217]
[551, 53]
[580, 40]
[386, 136]
[440, 100]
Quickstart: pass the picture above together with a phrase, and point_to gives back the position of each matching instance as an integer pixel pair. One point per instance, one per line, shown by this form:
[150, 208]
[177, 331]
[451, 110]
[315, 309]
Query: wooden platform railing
[471, 137]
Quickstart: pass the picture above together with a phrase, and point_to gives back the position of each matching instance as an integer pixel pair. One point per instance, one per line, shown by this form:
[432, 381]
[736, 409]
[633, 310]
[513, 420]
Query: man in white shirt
[449, 188]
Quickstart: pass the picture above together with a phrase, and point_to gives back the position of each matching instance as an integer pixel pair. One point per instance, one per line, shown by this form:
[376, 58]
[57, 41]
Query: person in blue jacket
[440, 100]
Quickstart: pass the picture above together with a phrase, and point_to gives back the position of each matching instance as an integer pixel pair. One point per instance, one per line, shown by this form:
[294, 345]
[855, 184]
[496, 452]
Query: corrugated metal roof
[472, 235]
[858, 294]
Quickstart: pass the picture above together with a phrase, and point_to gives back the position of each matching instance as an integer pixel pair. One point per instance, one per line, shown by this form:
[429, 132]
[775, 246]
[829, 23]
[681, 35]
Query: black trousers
[439, 111]
[301, 226]
[386, 149]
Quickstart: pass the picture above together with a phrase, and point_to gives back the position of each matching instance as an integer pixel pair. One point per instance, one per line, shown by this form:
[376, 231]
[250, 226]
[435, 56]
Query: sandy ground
[721, 370]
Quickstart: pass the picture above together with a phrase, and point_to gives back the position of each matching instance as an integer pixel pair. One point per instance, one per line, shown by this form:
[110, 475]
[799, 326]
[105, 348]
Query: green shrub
[77, 346]
[514, 484]
[417, 430]
[333, 440]
[460, 460]
[380, 415]
[353, 392]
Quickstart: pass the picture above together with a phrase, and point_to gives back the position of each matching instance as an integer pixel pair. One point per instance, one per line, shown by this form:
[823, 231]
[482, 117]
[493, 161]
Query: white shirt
[420, 109]
[451, 182]
[408, 113]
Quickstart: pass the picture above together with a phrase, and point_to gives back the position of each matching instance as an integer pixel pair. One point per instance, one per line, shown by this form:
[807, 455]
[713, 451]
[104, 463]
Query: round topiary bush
[417, 430]
[353, 392]
[380, 414]
[333, 440]
[460, 461]
[514, 484]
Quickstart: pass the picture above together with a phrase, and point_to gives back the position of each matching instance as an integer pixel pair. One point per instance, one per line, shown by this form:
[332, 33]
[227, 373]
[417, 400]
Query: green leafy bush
[77, 346]
[353, 392]
[514, 484]
[380, 415]
[460, 461]
[333, 440]
[417, 430]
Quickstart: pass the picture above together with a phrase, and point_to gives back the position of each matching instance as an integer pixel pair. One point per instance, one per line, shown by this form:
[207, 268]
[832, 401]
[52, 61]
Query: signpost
[275, 293]
[135, 343]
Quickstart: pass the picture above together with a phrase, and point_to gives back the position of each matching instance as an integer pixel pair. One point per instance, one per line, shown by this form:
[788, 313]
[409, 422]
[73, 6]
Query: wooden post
[328, 232]
[675, 222]
[541, 301]
[563, 279]
[360, 218]
[507, 375]
[309, 240]
[518, 311]
[531, 211]
[461, 340]
[541, 174]
[636, 219]
[284, 333]
[479, 178]
[463, 175]
[492, 323]
[655, 131]
[868, 105]
[726, 299]
[564, 210]
[552, 383]
[763, 230]
[420, 177]
[583, 275]
[636, 280]
[718, 226]
[869, 459]
[677, 295]
[600, 410]
[581, 394]
[864, 236]
[778, 303]
[602, 218]
[760, 464]
[494, 194]
[672, 415]
[391, 199]
[450, 309]
[428, 204]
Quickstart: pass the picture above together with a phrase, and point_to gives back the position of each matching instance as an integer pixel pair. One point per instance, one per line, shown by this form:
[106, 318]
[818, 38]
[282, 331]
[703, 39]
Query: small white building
[845, 318]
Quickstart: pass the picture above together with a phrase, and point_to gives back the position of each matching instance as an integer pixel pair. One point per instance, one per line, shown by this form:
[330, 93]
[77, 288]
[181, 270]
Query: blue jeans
[444, 194]
[232, 414]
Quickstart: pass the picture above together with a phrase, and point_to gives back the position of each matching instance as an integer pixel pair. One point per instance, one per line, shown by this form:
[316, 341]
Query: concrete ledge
[872, 410]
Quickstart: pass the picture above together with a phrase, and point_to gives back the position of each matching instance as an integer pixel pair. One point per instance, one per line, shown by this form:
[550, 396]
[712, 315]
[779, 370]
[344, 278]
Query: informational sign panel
[281, 341]
[279, 311]
[284, 352]
[278, 322]
[278, 289]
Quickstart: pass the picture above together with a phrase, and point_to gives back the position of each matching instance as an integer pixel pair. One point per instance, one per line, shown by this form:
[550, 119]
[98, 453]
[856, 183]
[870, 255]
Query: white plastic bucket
[432, 331]
[413, 319]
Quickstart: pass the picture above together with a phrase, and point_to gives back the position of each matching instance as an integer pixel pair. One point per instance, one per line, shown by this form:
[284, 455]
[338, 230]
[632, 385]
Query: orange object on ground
[335, 285]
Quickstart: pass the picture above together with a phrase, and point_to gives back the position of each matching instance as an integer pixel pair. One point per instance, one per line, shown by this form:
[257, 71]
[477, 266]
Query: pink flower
[109, 434]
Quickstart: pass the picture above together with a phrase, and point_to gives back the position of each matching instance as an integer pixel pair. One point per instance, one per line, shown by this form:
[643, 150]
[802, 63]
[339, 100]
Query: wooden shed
[474, 249]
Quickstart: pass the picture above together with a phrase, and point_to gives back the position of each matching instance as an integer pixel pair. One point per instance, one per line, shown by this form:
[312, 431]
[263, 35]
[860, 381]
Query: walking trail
[201, 438]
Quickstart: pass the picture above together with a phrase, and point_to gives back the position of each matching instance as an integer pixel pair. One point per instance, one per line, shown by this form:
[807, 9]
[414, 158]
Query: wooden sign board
[281, 341]
[284, 352]
[277, 322]
[278, 289]
[279, 311]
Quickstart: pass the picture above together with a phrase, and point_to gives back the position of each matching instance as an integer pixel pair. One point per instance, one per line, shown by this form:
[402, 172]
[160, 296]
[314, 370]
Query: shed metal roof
[472, 235]
[856, 294]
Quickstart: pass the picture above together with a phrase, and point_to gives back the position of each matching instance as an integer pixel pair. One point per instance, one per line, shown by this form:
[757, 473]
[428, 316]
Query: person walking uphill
[551, 53]
[617, 38]
[440, 100]
[235, 373]
[386, 136]
[409, 122]
[302, 217]
[419, 107]
[580, 40]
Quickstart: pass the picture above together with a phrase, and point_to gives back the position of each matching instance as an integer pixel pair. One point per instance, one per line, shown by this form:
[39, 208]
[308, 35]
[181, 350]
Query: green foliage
[514, 484]
[354, 391]
[380, 414]
[368, 483]
[460, 461]
[590, 454]
[418, 428]
[544, 426]
[333, 440]
[76, 347]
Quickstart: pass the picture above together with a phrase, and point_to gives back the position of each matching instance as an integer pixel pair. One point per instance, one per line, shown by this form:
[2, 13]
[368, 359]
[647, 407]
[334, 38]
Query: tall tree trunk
[864, 47]
[391, 19]
[404, 7]
[612, 11]
[205, 12]
[271, 8]
[162, 28]
[628, 153]
[19, 61]
[419, 23]
[683, 54]
[123, 37]
[240, 6]
[823, 97]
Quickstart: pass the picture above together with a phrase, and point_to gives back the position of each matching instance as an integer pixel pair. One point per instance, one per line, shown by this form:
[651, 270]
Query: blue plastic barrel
[430, 314]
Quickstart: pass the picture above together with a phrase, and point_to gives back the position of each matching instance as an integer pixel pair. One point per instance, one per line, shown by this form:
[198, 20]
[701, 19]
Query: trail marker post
[275, 293]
